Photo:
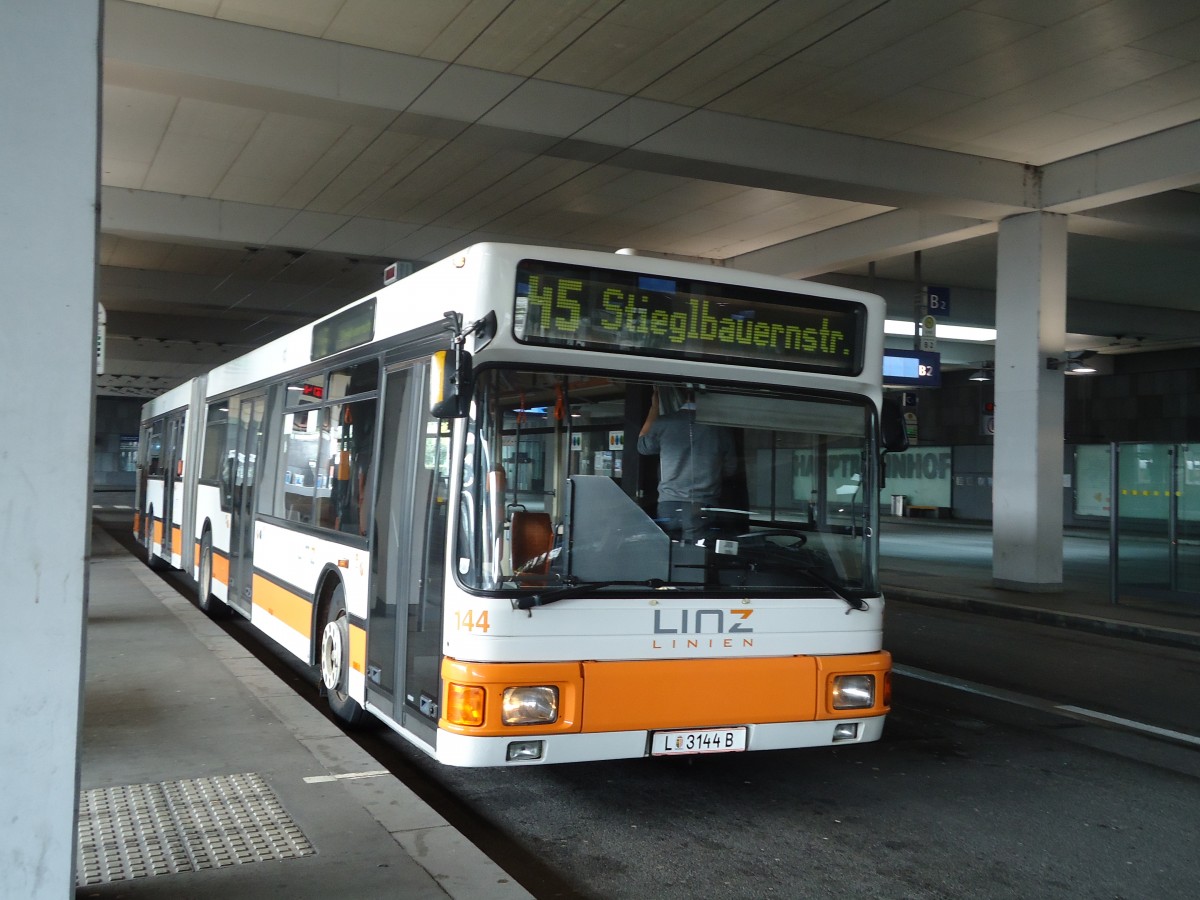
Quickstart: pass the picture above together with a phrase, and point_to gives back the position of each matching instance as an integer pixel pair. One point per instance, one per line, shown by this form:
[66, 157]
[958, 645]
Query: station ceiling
[263, 160]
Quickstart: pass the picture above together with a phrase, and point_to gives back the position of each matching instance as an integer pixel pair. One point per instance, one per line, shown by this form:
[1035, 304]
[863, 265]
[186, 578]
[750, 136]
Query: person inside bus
[694, 460]
[351, 467]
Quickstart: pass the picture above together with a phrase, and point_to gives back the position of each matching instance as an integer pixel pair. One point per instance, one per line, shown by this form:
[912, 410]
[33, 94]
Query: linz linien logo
[702, 628]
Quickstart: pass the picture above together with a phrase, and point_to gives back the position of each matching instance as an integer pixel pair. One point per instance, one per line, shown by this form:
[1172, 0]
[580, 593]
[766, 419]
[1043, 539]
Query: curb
[1170, 637]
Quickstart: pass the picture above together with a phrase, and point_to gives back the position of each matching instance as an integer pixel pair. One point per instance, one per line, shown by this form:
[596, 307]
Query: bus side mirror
[893, 434]
[449, 383]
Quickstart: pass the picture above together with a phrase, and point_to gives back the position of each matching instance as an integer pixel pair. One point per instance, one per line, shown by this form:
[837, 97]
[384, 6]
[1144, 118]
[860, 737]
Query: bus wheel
[204, 595]
[335, 660]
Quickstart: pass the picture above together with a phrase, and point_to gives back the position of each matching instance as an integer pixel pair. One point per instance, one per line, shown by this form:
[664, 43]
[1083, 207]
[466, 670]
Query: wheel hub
[333, 654]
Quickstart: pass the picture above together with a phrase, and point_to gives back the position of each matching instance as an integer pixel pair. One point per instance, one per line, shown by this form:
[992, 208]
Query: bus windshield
[580, 483]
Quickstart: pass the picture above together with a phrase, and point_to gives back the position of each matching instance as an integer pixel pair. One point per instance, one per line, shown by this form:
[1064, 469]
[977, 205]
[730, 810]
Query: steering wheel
[800, 537]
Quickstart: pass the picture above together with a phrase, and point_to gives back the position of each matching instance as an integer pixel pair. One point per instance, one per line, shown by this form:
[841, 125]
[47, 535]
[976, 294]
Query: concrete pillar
[1031, 315]
[49, 91]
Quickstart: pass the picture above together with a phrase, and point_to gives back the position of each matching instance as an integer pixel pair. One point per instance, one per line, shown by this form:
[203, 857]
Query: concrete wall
[49, 92]
[1152, 398]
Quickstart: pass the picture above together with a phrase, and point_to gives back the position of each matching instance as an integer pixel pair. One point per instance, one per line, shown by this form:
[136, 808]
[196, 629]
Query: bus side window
[213, 454]
[154, 462]
[362, 456]
[347, 445]
[333, 469]
[299, 465]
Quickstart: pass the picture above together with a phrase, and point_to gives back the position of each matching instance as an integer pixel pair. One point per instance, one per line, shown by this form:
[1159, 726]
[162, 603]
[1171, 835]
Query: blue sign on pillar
[937, 300]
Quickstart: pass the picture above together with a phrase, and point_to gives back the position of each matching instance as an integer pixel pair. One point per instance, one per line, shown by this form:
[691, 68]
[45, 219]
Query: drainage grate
[182, 826]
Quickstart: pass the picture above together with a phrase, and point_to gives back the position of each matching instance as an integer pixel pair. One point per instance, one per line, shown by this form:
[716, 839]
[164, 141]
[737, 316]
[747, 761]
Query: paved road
[965, 796]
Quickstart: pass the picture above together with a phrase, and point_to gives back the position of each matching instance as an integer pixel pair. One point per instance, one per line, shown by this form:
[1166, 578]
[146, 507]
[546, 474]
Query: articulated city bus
[531, 505]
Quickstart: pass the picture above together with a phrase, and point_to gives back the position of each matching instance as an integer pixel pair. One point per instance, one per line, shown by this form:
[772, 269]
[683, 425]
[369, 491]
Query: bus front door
[405, 629]
[241, 534]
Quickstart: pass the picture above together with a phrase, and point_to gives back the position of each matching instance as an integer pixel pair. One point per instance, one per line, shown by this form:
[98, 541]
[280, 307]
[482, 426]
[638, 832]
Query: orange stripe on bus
[291, 609]
[220, 567]
[176, 540]
[358, 649]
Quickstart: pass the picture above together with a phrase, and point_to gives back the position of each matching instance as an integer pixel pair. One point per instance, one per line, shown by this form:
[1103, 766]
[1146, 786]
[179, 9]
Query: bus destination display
[604, 309]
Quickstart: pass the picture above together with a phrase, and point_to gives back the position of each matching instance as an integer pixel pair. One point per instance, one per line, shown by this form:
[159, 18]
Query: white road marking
[347, 776]
[1136, 726]
[1025, 700]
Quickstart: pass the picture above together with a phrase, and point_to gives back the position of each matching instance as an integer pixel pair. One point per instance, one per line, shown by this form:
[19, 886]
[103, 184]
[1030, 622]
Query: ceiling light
[981, 375]
[1070, 366]
[899, 327]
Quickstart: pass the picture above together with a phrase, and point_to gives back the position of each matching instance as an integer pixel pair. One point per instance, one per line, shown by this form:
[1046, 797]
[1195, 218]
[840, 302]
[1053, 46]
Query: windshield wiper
[574, 588]
[855, 603]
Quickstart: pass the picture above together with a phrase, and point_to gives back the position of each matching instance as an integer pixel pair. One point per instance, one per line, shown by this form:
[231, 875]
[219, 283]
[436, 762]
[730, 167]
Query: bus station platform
[202, 774]
[949, 564]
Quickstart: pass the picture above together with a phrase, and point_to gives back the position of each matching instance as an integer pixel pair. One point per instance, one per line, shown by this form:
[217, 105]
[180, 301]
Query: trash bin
[898, 501]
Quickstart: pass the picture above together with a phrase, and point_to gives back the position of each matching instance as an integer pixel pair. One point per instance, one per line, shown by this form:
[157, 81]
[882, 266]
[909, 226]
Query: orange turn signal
[464, 704]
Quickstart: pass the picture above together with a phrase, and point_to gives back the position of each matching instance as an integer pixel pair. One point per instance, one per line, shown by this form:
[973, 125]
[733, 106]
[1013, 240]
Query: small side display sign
[350, 328]
[911, 368]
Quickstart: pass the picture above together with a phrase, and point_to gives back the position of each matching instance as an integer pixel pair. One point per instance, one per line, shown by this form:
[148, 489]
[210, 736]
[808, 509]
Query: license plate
[701, 740]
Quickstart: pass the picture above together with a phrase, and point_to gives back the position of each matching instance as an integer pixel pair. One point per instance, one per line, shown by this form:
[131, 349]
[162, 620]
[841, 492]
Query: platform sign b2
[937, 300]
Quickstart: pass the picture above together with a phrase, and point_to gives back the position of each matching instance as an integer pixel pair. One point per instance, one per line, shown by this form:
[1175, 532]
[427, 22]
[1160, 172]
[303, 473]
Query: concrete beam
[1172, 217]
[879, 237]
[1158, 162]
[156, 216]
[740, 149]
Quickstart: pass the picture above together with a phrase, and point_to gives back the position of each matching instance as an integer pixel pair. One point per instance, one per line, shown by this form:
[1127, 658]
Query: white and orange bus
[435, 496]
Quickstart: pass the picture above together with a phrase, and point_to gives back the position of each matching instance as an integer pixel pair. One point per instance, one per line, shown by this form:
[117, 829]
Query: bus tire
[208, 604]
[334, 660]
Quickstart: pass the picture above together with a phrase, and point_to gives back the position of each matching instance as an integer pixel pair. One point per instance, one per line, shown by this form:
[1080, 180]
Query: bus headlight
[853, 691]
[530, 705]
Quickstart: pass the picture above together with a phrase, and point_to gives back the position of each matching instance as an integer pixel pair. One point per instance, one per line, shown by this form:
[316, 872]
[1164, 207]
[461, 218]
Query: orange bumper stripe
[291, 609]
[641, 695]
[688, 693]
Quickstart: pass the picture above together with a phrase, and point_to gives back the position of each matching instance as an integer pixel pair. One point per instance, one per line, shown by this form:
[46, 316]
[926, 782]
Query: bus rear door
[244, 467]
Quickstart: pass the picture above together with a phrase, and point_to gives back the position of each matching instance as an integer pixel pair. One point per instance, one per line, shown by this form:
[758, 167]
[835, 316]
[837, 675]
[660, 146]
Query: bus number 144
[472, 621]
